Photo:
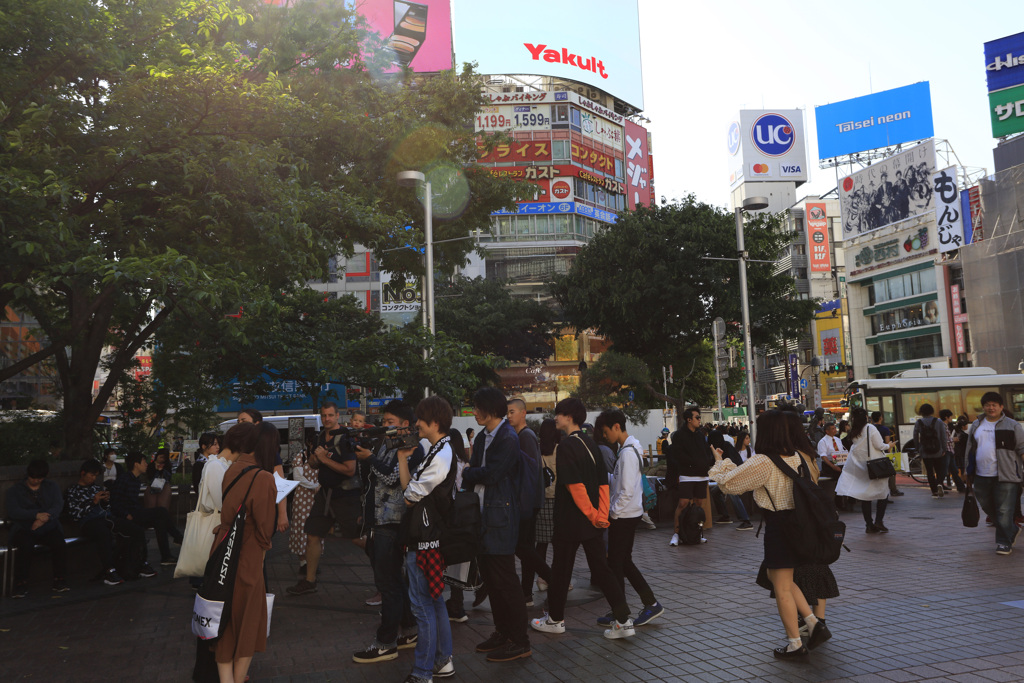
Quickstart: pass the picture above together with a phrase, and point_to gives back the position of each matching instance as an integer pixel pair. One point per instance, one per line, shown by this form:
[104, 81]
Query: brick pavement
[923, 602]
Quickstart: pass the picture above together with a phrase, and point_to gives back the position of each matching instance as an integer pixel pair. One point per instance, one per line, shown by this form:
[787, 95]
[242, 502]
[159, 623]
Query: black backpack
[691, 525]
[816, 535]
[929, 439]
[463, 529]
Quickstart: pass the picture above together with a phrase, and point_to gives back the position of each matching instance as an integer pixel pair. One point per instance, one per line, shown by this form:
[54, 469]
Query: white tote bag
[198, 540]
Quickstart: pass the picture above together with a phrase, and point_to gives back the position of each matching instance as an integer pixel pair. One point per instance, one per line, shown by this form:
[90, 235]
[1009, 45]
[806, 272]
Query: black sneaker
[405, 642]
[881, 528]
[871, 529]
[60, 586]
[168, 561]
[745, 526]
[19, 592]
[529, 599]
[301, 588]
[508, 652]
[493, 643]
[375, 653]
[112, 578]
[146, 571]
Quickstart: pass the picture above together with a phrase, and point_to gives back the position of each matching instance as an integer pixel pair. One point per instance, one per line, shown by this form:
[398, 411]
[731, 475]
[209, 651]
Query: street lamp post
[413, 179]
[749, 204]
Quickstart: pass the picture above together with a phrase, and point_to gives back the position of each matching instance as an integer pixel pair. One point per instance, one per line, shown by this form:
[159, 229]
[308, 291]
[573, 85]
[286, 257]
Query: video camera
[392, 437]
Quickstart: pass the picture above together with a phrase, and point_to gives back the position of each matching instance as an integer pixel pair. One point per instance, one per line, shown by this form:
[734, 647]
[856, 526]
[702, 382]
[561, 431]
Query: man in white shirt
[995, 445]
[832, 456]
[625, 510]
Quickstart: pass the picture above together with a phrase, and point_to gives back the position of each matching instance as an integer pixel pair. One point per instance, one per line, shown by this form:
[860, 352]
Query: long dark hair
[268, 445]
[773, 434]
[858, 419]
[549, 436]
[798, 435]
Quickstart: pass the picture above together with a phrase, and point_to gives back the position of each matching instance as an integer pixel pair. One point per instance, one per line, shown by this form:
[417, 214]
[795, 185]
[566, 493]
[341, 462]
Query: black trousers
[106, 530]
[880, 505]
[25, 540]
[507, 605]
[935, 468]
[533, 562]
[158, 518]
[620, 558]
[600, 573]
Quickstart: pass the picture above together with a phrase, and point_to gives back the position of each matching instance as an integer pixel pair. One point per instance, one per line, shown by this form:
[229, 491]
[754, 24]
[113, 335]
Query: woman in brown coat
[245, 632]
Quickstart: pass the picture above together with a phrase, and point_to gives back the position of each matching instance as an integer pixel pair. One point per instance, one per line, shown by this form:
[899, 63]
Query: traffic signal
[732, 401]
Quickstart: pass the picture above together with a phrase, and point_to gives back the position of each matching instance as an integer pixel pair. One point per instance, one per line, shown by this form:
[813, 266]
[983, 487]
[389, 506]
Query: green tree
[646, 285]
[483, 314]
[184, 155]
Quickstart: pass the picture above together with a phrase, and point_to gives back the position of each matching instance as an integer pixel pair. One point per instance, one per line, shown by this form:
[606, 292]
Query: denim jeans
[434, 644]
[998, 499]
[387, 574]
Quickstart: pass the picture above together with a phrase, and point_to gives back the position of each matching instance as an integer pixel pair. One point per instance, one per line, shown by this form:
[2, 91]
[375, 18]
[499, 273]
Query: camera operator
[338, 497]
[386, 553]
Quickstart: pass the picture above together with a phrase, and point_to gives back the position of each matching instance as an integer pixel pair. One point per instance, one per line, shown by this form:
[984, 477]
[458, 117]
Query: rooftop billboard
[768, 145]
[1004, 62]
[889, 191]
[874, 121]
[598, 45]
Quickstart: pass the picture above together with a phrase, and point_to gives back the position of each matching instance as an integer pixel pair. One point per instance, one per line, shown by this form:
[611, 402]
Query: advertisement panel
[559, 207]
[948, 220]
[768, 145]
[828, 343]
[417, 34]
[400, 304]
[817, 238]
[527, 150]
[588, 156]
[1006, 109]
[889, 191]
[638, 180]
[598, 129]
[794, 375]
[513, 117]
[1004, 62]
[599, 45]
[879, 120]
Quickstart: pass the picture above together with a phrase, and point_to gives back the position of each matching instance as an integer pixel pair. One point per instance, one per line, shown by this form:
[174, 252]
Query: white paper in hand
[284, 486]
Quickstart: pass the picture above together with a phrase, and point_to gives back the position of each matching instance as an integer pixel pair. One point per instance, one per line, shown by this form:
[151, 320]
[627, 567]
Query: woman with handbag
[856, 481]
[773, 491]
[307, 475]
[245, 631]
[425, 488]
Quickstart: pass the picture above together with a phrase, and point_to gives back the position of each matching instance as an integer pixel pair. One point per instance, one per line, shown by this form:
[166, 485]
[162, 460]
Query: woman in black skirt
[773, 492]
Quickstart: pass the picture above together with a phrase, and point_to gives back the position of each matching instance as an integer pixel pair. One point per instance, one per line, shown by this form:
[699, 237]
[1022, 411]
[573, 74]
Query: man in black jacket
[689, 459]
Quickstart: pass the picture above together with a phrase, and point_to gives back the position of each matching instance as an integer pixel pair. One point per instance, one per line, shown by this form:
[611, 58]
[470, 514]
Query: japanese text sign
[817, 238]
[948, 220]
[638, 168]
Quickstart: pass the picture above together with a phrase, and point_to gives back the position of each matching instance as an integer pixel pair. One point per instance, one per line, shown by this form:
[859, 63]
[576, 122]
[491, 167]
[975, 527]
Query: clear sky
[704, 61]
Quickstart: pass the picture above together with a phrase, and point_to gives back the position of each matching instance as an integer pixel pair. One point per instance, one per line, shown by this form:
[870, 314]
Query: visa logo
[791, 169]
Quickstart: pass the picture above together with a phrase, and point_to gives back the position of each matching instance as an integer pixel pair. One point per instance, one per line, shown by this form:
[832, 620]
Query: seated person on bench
[33, 507]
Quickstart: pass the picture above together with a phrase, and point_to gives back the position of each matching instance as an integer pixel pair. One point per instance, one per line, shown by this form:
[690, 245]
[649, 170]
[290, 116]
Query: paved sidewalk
[924, 602]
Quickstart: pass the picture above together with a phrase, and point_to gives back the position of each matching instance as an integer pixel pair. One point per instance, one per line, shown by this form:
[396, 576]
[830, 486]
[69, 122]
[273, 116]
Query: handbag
[198, 539]
[970, 514]
[879, 468]
[212, 607]
[270, 610]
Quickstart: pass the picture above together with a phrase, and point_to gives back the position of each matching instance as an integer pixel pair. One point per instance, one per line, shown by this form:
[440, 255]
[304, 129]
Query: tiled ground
[924, 602]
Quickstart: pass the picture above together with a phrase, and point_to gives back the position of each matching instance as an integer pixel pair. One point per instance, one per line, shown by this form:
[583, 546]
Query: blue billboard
[880, 120]
[1004, 62]
[283, 395]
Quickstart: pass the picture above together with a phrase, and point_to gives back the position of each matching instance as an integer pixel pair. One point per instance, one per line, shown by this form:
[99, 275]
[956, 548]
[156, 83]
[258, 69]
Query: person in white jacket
[854, 481]
[626, 496]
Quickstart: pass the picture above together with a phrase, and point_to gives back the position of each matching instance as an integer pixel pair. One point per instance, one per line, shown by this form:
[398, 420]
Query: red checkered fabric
[431, 563]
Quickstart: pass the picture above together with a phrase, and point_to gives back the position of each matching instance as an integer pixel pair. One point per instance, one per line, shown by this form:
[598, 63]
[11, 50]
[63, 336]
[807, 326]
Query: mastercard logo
[760, 168]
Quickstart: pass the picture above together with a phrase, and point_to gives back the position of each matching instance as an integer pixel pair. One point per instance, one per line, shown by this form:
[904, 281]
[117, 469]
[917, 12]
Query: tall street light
[413, 179]
[749, 204]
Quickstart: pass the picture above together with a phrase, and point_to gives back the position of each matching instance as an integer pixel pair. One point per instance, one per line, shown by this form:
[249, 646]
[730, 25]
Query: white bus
[959, 389]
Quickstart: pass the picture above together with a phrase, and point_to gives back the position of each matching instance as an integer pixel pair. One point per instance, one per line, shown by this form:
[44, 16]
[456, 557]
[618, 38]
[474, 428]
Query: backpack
[816, 534]
[691, 525]
[650, 499]
[929, 439]
[212, 608]
[531, 490]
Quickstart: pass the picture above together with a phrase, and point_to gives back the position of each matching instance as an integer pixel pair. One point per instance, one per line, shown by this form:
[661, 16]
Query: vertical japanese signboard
[794, 375]
[959, 318]
[948, 220]
[817, 238]
[638, 180]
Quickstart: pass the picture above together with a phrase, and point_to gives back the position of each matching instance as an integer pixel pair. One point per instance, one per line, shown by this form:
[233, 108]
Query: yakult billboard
[524, 38]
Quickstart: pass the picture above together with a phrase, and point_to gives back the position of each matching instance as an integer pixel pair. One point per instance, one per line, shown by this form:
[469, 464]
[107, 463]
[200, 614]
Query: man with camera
[385, 548]
[337, 499]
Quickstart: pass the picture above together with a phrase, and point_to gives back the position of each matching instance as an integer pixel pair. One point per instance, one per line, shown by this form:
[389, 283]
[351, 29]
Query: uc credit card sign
[768, 144]
[874, 121]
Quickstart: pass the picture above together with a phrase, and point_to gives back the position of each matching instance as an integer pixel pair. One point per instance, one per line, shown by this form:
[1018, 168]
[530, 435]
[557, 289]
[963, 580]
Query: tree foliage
[646, 285]
[189, 155]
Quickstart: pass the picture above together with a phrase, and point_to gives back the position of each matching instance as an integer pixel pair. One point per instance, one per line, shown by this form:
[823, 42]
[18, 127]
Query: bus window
[950, 399]
[886, 405]
[972, 400]
[912, 402]
[1017, 404]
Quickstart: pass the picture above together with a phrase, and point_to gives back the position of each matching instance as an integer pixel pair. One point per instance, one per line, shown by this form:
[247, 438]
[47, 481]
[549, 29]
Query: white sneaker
[618, 630]
[675, 540]
[445, 670]
[545, 625]
[542, 585]
[645, 519]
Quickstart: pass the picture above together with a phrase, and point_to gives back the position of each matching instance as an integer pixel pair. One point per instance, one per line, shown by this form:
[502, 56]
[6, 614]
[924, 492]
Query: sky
[705, 61]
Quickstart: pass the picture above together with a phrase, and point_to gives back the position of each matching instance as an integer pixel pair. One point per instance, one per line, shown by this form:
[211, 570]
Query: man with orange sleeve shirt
[581, 515]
